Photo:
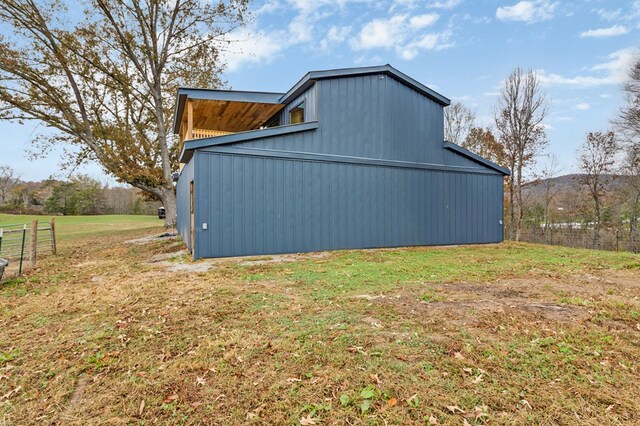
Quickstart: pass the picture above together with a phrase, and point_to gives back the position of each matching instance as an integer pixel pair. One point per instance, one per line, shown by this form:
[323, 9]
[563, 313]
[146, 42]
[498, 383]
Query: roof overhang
[190, 146]
[229, 110]
[308, 80]
[475, 157]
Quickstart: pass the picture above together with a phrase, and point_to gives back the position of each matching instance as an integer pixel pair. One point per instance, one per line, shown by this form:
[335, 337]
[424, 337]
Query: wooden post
[189, 134]
[54, 248]
[33, 243]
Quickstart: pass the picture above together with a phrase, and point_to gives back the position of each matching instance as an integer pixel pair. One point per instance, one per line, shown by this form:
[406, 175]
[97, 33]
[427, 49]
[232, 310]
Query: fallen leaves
[309, 420]
[141, 408]
[256, 412]
[170, 398]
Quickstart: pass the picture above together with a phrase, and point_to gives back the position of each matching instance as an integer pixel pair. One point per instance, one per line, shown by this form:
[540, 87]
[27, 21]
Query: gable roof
[387, 69]
[475, 157]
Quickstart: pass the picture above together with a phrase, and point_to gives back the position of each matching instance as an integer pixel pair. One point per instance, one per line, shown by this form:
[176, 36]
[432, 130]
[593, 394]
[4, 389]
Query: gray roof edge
[312, 76]
[250, 135]
[475, 157]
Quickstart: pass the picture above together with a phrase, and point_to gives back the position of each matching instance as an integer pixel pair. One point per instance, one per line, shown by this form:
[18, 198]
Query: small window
[296, 115]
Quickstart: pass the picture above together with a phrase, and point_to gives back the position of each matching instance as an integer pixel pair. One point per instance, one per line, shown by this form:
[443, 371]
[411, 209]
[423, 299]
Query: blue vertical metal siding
[183, 224]
[372, 116]
[262, 202]
[257, 205]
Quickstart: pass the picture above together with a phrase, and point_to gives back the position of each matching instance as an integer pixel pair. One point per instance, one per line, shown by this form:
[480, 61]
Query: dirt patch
[272, 259]
[167, 256]
[152, 238]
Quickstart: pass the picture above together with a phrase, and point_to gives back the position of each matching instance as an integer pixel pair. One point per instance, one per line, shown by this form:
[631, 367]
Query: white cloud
[583, 106]
[435, 4]
[422, 21]
[335, 35]
[527, 11]
[446, 4]
[401, 33]
[253, 47]
[616, 69]
[382, 33]
[616, 30]
[432, 41]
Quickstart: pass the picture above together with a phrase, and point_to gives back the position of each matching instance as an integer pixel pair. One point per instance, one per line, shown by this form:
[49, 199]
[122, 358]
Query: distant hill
[569, 183]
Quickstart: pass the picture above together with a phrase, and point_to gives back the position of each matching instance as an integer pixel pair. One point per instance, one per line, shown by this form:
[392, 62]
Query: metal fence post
[24, 238]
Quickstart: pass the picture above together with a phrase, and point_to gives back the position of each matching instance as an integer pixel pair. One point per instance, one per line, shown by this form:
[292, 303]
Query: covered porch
[203, 113]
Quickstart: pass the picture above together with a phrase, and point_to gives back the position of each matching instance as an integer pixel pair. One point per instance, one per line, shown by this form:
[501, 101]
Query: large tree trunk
[596, 225]
[520, 202]
[633, 225]
[168, 198]
[511, 208]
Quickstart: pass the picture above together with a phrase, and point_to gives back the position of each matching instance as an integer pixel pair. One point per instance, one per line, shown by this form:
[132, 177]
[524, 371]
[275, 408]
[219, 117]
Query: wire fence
[21, 243]
[581, 236]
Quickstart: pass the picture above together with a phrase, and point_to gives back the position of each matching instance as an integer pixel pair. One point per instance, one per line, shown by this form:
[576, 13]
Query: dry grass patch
[106, 333]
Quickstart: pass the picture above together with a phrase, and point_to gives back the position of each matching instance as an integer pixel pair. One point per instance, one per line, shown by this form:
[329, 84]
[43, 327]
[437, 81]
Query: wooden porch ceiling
[230, 116]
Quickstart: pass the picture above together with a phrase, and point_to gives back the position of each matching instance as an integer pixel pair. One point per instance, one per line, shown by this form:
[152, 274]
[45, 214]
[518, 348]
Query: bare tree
[8, 179]
[628, 120]
[105, 76]
[519, 115]
[458, 122]
[631, 168]
[597, 158]
[550, 170]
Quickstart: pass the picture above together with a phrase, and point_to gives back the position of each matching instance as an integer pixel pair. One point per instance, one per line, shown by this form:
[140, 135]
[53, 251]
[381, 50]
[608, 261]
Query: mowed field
[126, 329]
[72, 227]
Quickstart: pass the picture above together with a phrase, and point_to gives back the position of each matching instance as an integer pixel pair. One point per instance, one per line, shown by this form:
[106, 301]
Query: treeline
[80, 195]
[604, 195]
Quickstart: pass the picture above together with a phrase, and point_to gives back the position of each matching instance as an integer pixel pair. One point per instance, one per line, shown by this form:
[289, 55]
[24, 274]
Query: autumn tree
[103, 75]
[482, 142]
[597, 158]
[519, 116]
[8, 180]
[458, 122]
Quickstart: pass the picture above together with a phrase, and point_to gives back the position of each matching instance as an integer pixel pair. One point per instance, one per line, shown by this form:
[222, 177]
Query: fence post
[53, 235]
[24, 237]
[33, 243]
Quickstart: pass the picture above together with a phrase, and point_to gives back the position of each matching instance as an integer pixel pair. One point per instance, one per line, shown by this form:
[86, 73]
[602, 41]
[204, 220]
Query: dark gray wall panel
[256, 205]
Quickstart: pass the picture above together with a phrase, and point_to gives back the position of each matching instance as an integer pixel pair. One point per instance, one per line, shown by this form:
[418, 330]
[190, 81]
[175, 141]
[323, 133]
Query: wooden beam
[189, 134]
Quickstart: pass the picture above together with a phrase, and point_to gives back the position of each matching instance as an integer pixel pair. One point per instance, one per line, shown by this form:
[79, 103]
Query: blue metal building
[350, 158]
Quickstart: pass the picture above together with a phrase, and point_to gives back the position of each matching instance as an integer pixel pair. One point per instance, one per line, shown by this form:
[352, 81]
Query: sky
[464, 49]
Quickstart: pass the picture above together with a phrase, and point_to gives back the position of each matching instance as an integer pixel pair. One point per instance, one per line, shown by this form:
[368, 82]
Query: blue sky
[464, 49]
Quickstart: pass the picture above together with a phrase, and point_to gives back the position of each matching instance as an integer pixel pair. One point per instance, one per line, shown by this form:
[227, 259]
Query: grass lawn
[72, 227]
[115, 332]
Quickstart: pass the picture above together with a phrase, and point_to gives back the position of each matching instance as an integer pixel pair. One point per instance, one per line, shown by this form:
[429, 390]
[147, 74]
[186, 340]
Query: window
[296, 115]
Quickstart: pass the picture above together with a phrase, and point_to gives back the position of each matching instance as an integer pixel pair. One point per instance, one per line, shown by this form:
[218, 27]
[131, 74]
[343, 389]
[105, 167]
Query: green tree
[103, 74]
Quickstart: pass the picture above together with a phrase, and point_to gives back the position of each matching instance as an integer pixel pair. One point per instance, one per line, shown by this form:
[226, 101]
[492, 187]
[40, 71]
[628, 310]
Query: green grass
[512, 334]
[353, 271]
[74, 227]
